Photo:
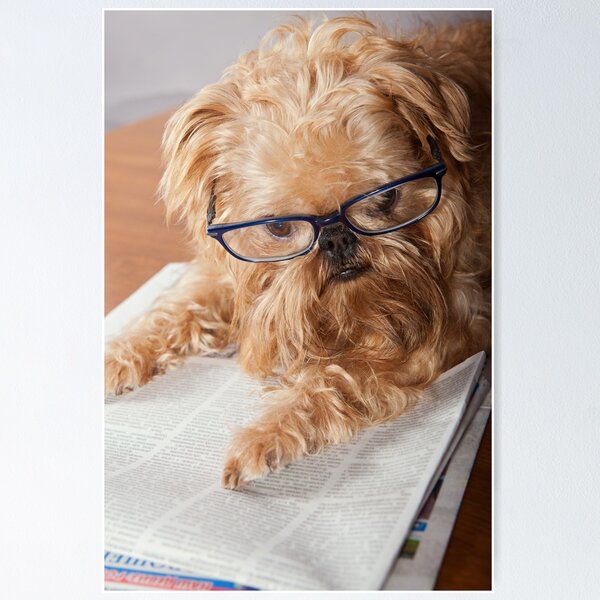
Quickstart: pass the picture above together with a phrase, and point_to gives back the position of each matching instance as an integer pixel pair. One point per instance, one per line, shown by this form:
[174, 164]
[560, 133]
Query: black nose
[337, 241]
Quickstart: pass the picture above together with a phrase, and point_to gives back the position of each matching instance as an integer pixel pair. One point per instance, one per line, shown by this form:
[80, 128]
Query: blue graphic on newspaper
[127, 572]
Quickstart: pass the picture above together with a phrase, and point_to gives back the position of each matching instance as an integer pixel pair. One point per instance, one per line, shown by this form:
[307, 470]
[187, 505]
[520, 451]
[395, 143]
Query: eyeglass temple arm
[435, 150]
[211, 211]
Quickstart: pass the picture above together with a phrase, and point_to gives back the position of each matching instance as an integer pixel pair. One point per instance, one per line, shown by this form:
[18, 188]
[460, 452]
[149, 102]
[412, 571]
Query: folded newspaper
[335, 521]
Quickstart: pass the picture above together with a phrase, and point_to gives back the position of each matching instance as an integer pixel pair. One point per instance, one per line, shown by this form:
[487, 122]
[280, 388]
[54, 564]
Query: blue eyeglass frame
[436, 171]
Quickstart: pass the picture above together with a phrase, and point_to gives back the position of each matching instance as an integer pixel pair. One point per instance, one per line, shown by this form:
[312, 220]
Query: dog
[335, 183]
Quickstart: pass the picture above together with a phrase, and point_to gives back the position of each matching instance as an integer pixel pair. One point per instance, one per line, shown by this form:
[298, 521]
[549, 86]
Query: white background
[547, 532]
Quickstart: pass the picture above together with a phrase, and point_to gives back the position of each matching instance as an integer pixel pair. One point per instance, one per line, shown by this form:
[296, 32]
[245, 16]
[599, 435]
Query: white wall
[156, 59]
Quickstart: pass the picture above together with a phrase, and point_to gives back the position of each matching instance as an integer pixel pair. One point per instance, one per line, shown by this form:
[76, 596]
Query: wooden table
[138, 244]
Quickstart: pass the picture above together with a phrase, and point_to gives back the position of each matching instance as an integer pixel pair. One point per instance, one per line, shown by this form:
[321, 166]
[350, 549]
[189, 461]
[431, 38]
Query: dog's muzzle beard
[339, 247]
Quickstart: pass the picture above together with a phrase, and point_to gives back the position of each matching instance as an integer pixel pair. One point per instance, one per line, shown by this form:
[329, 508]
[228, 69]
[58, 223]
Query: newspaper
[421, 555]
[122, 572]
[332, 521]
[419, 560]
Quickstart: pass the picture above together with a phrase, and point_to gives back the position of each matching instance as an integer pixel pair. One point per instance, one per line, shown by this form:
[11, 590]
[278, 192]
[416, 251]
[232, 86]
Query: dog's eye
[387, 200]
[280, 230]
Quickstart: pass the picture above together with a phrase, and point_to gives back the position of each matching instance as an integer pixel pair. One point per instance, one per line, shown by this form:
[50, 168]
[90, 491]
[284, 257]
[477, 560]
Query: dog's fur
[310, 119]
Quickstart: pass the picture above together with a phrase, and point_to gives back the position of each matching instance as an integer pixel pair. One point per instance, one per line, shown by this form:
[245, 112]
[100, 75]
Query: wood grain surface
[137, 240]
[138, 243]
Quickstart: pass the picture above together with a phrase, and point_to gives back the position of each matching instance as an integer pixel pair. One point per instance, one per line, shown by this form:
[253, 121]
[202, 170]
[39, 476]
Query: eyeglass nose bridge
[328, 219]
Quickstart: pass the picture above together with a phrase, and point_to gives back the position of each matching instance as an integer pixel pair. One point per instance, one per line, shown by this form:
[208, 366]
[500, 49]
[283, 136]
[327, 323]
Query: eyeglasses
[386, 209]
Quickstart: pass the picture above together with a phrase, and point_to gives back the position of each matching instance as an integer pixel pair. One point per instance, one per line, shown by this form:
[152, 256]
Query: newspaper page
[423, 551]
[332, 521]
[419, 560]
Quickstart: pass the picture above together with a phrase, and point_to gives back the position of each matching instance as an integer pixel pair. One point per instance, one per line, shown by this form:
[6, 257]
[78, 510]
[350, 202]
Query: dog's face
[299, 127]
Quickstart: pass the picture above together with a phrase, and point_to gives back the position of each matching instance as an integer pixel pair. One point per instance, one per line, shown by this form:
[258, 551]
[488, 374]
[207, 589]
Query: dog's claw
[253, 454]
[231, 476]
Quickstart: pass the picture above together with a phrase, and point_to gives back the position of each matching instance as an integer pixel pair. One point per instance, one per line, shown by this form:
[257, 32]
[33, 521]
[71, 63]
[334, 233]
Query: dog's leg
[320, 407]
[193, 318]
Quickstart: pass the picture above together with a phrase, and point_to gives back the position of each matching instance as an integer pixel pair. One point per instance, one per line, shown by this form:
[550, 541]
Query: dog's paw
[125, 369]
[253, 454]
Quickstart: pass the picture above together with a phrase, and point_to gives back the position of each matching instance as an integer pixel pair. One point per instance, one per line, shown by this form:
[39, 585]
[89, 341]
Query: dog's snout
[338, 241]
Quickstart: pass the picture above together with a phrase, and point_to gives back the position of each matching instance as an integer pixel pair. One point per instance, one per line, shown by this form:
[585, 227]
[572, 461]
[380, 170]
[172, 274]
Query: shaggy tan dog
[353, 323]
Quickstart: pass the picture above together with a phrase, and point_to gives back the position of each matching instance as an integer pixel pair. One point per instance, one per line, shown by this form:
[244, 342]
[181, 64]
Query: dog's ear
[429, 101]
[194, 141]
